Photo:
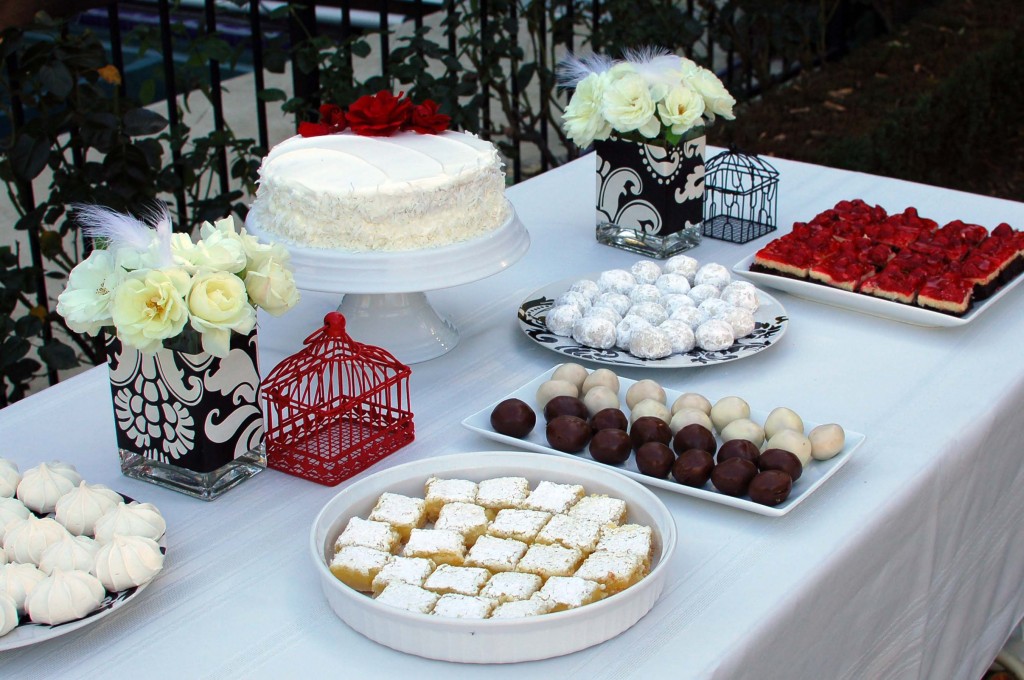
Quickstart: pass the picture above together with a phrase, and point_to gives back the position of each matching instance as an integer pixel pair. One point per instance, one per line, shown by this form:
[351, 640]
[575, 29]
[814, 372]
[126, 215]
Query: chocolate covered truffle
[565, 406]
[568, 433]
[693, 467]
[649, 429]
[780, 459]
[694, 437]
[732, 477]
[513, 418]
[609, 418]
[770, 487]
[655, 459]
[738, 448]
[611, 446]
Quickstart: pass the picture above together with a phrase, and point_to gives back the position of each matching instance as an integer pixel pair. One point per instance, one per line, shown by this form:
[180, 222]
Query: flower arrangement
[379, 115]
[154, 288]
[650, 96]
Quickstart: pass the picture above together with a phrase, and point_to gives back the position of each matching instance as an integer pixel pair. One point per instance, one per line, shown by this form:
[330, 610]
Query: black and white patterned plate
[770, 318]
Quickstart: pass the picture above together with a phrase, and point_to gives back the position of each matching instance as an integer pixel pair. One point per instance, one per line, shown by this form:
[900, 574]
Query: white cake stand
[384, 301]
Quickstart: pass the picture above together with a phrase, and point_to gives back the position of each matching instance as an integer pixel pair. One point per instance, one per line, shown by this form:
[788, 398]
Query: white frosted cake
[357, 193]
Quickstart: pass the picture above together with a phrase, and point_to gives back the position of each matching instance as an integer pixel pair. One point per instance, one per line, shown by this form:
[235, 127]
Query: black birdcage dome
[740, 195]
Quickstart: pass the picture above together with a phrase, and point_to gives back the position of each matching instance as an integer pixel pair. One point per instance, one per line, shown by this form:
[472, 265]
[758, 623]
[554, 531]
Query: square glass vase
[190, 422]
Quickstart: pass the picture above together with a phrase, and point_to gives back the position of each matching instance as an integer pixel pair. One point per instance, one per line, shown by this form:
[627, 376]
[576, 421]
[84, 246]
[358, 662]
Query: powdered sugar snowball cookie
[9, 478]
[11, 509]
[741, 320]
[64, 596]
[26, 539]
[571, 373]
[714, 335]
[616, 281]
[594, 332]
[69, 553]
[691, 316]
[624, 329]
[673, 284]
[128, 561]
[42, 485]
[689, 416]
[617, 301]
[645, 292]
[680, 335]
[644, 389]
[599, 398]
[650, 343]
[603, 313]
[589, 289]
[18, 580]
[601, 376]
[575, 299]
[8, 614]
[561, 319]
[652, 311]
[715, 307]
[742, 294]
[713, 274]
[79, 508]
[556, 387]
[676, 301]
[682, 264]
[702, 292]
[645, 271]
[132, 519]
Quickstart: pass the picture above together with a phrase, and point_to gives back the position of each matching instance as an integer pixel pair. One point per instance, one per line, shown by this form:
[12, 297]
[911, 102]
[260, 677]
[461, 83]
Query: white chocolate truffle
[650, 407]
[676, 301]
[594, 332]
[589, 289]
[650, 343]
[679, 334]
[625, 329]
[645, 271]
[741, 294]
[691, 316]
[574, 299]
[652, 311]
[69, 553]
[602, 376]
[741, 321]
[744, 428]
[133, 519]
[673, 284]
[549, 389]
[690, 416]
[26, 539]
[9, 478]
[714, 335]
[18, 580]
[644, 389]
[782, 418]
[616, 281]
[645, 292]
[600, 398]
[571, 373]
[42, 485]
[682, 264]
[794, 442]
[713, 274]
[64, 596]
[8, 614]
[728, 409]
[617, 301]
[560, 320]
[128, 561]
[11, 509]
[826, 441]
[79, 508]
[691, 400]
[703, 292]
[603, 313]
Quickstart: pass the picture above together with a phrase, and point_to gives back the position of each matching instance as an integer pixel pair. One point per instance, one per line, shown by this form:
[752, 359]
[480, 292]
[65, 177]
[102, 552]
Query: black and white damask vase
[188, 422]
[650, 199]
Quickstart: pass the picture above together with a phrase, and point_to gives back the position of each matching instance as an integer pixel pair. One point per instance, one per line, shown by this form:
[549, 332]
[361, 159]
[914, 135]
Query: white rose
[219, 248]
[628, 105]
[681, 109]
[149, 307]
[717, 100]
[219, 305]
[583, 120]
[257, 252]
[272, 287]
[85, 302]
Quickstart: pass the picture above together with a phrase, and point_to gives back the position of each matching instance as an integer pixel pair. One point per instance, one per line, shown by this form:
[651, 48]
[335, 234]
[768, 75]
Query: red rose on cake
[332, 119]
[379, 115]
[426, 119]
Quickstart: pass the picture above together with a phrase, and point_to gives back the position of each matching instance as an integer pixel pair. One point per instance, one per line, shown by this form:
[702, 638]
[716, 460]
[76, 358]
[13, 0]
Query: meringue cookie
[18, 581]
[26, 539]
[9, 478]
[79, 508]
[128, 561]
[68, 554]
[64, 596]
[10, 510]
[8, 614]
[134, 519]
[42, 485]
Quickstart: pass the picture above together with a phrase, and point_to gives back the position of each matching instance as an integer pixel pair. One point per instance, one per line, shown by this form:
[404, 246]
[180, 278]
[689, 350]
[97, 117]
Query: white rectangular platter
[814, 474]
[867, 304]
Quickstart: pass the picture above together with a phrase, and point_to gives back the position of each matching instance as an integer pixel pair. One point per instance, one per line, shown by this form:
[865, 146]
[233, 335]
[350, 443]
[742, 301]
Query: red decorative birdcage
[336, 407]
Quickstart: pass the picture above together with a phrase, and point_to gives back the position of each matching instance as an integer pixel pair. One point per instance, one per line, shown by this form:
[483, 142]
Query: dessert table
[908, 563]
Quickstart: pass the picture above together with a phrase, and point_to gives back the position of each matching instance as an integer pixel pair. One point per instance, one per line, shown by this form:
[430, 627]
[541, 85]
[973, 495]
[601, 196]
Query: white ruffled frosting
[9, 478]
[128, 561]
[42, 485]
[18, 581]
[68, 554]
[79, 508]
[133, 519]
[8, 614]
[11, 509]
[26, 539]
[3, 555]
[64, 596]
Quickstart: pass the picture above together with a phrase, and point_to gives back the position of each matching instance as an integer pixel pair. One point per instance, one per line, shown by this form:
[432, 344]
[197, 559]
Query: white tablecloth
[909, 563]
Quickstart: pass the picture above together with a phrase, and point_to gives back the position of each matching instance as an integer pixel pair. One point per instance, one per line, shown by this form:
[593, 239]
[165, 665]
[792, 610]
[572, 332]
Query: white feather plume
[160, 217]
[655, 64]
[126, 231]
[573, 69]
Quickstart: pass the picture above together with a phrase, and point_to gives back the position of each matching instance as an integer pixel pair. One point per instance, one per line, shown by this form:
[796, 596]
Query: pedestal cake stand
[384, 299]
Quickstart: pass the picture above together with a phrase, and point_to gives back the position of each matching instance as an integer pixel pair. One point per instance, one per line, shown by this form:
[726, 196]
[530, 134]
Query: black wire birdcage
[740, 196]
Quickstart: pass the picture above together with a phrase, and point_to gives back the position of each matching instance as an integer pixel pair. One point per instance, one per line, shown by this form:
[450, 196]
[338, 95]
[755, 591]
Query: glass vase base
[206, 486]
[650, 245]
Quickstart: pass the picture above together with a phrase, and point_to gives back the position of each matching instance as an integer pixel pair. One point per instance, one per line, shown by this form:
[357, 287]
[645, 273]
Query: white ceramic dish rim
[531, 465]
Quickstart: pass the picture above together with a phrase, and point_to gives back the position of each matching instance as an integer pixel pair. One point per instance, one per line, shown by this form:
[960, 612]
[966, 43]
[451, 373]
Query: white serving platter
[814, 474]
